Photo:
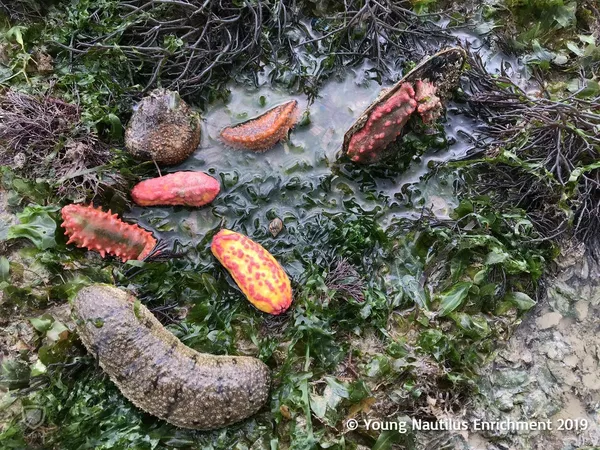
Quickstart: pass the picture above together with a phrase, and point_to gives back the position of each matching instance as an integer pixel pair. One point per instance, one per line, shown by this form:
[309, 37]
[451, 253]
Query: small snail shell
[275, 226]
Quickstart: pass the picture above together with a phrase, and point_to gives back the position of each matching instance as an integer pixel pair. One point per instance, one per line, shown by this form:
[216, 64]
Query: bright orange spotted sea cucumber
[263, 132]
[257, 273]
[104, 232]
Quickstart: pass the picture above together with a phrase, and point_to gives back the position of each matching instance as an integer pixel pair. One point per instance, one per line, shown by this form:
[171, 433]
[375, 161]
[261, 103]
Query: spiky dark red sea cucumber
[265, 131]
[94, 229]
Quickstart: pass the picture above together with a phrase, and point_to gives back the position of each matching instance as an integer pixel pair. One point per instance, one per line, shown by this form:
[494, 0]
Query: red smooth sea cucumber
[179, 188]
[263, 132]
[94, 229]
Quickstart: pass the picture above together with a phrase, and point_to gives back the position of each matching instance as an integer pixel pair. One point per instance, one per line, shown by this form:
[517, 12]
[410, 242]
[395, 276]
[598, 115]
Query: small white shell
[275, 226]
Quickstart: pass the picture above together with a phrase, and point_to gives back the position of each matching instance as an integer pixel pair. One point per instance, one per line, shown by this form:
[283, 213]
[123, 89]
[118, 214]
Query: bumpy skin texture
[386, 121]
[383, 126]
[179, 188]
[265, 131]
[430, 106]
[159, 374]
[91, 228]
[260, 277]
[163, 128]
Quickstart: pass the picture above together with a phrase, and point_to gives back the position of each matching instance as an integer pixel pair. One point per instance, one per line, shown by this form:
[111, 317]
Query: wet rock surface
[549, 370]
[547, 373]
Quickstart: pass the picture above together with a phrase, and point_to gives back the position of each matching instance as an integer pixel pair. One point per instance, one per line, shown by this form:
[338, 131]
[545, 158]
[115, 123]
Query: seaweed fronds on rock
[541, 154]
[43, 138]
[343, 278]
[193, 46]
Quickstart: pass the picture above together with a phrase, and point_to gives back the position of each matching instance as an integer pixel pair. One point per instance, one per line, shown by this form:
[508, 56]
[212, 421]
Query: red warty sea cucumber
[383, 126]
[179, 188]
[387, 120]
[91, 228]
[265, 131]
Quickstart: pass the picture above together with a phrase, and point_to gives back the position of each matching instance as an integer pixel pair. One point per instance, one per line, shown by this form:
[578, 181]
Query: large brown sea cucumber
[179, 188]
[258, 274]
[263, 132]
[104, 232]
[160, 375]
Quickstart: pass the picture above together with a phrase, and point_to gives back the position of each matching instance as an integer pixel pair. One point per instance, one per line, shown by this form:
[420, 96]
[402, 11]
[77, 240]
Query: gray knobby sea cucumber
[157, 372]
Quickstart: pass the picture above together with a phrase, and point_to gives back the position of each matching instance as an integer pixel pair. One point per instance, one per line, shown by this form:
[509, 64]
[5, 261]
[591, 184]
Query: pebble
[591, 381]
[581, 309]
[548, 320]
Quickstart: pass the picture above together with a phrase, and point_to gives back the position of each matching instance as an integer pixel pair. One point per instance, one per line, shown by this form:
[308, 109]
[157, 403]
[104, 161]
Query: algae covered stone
[157, 372]
[163, 128]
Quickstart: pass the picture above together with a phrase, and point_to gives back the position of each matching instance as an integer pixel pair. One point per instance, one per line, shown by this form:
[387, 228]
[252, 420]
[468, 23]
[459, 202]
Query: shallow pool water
[300, 179]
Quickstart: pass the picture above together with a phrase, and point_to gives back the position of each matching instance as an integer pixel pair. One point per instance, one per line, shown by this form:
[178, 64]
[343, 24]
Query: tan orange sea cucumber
[263, 132]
